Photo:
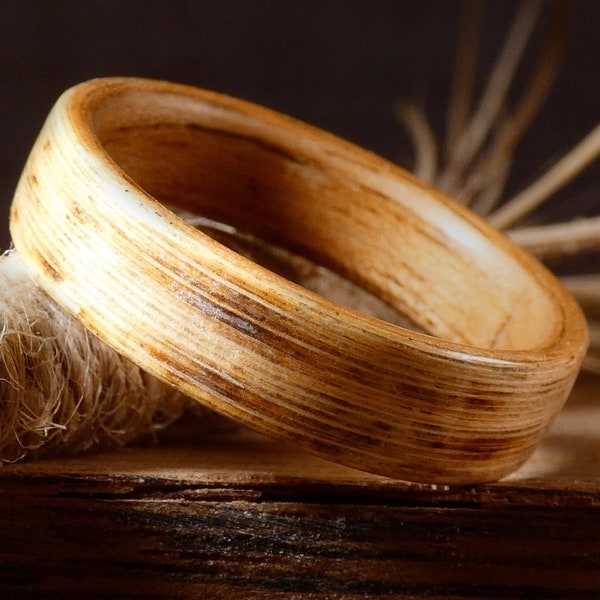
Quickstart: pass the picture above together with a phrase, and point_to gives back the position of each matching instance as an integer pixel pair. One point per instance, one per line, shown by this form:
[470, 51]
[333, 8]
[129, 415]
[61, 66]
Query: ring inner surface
[326, 200]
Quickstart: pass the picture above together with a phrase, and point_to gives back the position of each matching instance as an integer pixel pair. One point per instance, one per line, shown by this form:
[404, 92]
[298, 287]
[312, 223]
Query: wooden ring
[465, 402]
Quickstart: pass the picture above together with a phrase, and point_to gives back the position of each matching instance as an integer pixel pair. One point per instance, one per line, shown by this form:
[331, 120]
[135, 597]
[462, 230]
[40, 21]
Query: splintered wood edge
[467, 403]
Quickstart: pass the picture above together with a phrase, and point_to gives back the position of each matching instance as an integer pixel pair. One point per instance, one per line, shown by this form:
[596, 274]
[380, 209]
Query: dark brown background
[338, 64]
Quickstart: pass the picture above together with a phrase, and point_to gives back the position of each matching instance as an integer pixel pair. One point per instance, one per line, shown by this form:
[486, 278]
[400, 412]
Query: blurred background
[339, 64]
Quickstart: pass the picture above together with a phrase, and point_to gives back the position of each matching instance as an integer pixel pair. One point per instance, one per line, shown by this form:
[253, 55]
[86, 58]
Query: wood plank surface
[237, 515]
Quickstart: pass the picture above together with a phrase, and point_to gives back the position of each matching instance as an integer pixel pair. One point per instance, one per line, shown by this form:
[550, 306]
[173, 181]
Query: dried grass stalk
[480, 146]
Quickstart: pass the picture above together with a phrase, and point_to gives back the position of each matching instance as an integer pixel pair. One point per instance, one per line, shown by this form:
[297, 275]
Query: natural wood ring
[466, 403]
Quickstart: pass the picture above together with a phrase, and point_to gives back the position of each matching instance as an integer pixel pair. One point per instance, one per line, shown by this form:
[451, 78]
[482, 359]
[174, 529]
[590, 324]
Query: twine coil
[467, 401]
[63, 390]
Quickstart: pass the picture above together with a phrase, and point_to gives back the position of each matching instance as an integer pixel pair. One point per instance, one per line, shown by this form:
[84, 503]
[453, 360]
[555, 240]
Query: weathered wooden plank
[172, 544]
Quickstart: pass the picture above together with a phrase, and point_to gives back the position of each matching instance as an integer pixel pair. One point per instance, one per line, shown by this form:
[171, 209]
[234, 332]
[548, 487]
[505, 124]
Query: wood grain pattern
[466, 402]
[242, 516]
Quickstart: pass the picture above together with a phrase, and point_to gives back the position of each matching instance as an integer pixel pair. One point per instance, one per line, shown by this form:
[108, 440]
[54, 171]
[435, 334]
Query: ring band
[465, 402]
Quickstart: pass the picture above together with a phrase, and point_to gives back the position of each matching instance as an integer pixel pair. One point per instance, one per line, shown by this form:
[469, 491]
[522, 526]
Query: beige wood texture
[466, 401]
[241, 516]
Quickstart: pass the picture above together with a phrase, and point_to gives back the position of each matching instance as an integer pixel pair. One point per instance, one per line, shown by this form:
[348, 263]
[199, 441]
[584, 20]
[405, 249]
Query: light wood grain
[465, 402]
